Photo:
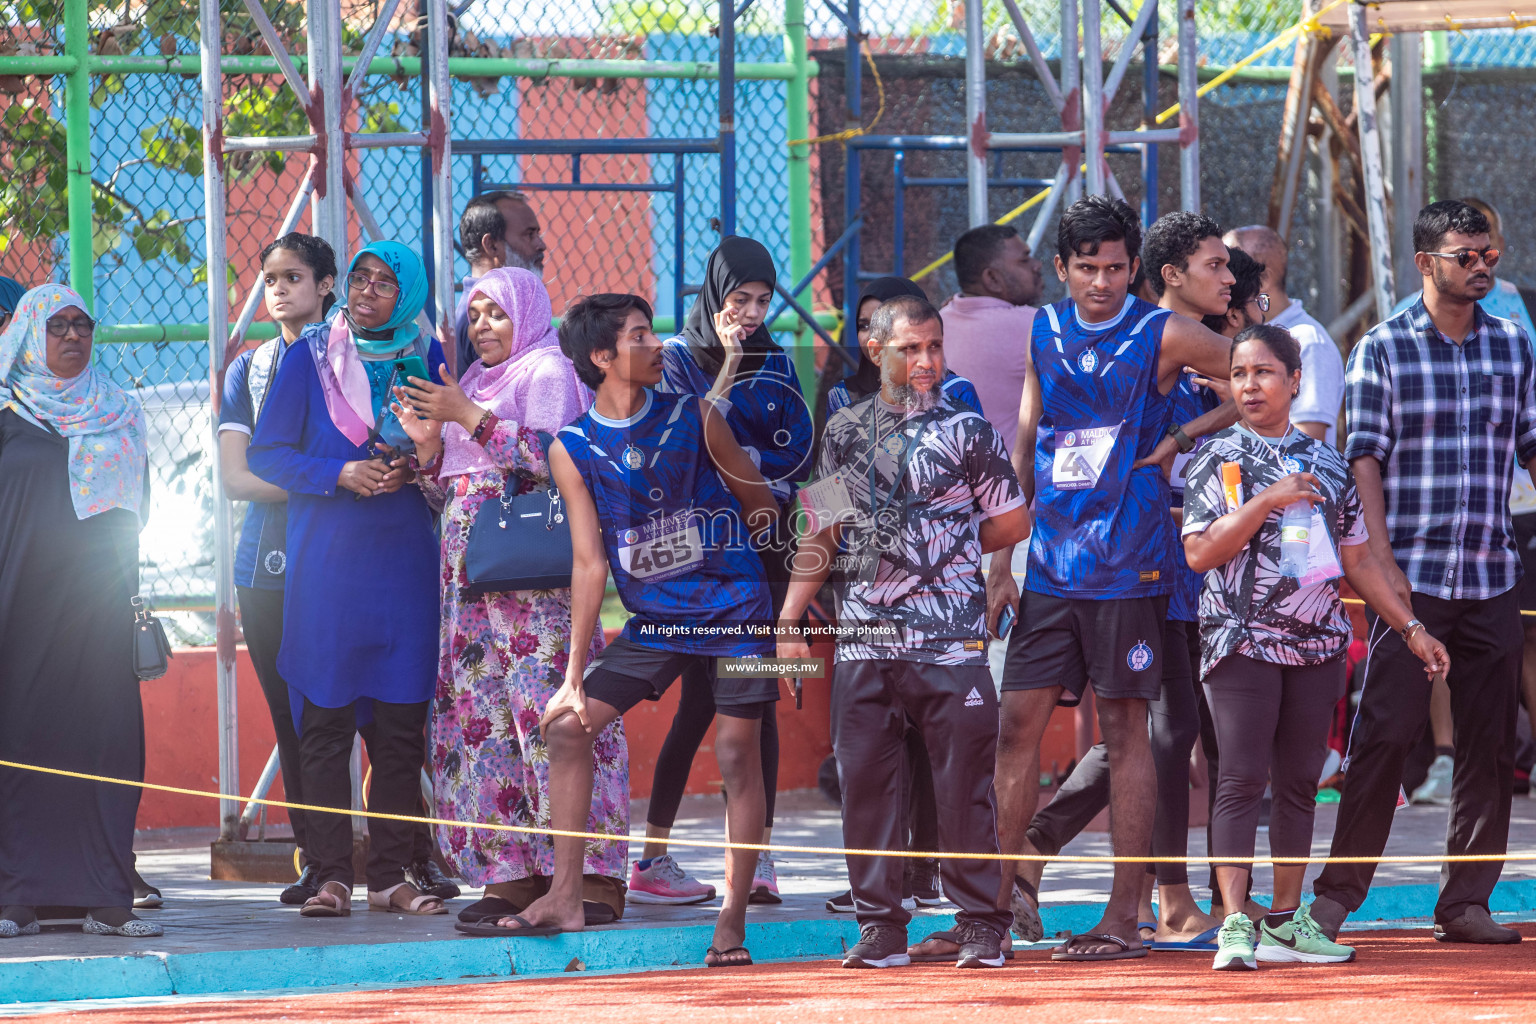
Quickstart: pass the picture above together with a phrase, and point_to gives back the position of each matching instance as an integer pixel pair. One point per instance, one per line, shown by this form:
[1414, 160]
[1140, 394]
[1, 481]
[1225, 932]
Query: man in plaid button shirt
[1441, 407]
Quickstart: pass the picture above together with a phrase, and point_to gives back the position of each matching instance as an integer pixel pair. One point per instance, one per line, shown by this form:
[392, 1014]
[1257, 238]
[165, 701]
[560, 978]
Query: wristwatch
[1186, 445]
[1409, 627]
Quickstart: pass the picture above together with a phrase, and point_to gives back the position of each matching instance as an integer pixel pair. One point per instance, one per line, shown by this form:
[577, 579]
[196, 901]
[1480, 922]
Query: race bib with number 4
[1081, 455]
[662, 548]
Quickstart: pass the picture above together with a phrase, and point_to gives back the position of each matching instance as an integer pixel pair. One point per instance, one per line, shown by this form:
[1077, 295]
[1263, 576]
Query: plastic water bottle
[1295, 524]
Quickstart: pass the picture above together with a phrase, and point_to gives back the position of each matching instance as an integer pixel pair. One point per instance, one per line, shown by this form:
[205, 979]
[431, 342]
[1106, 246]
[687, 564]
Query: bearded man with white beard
[496, 229]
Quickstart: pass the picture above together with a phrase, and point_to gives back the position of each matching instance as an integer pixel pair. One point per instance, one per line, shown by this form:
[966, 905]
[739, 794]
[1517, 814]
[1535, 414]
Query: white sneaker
[1436, 788]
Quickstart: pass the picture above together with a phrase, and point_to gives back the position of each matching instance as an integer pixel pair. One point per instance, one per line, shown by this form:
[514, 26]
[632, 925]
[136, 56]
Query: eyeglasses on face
[59, 327]
[1466, 257]
[358, 282]
[1262, 301]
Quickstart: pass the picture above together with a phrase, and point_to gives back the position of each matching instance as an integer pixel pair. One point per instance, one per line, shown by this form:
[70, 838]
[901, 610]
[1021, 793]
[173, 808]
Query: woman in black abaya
[73, 467]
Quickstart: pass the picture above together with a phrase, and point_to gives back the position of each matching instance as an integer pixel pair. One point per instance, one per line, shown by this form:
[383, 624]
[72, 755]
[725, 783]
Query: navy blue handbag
[520, 541]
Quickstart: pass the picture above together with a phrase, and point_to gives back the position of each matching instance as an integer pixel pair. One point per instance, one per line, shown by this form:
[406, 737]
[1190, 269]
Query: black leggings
[1272, 724]
[261, 620]
[695, 712]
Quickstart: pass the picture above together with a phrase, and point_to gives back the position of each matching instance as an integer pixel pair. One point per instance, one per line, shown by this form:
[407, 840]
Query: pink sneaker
[665, 882]
[765, 881]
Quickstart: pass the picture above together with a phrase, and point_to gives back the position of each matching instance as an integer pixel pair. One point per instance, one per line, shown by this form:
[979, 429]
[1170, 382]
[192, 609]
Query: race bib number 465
[661, 548]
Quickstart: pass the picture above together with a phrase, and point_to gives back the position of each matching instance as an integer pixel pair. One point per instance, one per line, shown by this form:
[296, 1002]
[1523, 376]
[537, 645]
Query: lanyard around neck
[906, 459]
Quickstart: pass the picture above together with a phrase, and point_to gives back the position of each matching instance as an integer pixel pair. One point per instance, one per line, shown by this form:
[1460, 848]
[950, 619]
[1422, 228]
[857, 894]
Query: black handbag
[520, 541]
[151, 650]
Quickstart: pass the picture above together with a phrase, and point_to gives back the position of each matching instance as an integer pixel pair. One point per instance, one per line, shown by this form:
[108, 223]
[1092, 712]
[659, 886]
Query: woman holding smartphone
[1272, 518]
[360, 613]
[504, 653]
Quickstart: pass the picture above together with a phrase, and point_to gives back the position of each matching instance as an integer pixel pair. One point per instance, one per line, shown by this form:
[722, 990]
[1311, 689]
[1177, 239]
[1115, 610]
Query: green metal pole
[522, 67]
[797, 107]
[1437, 57]
[77, 149]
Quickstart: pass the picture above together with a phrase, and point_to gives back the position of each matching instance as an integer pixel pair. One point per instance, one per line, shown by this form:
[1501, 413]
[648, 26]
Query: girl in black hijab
[726, 352]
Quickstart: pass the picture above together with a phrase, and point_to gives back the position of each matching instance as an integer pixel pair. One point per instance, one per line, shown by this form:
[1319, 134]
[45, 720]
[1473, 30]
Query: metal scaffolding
[1082, 97]
[1390, 142]
[326, 188]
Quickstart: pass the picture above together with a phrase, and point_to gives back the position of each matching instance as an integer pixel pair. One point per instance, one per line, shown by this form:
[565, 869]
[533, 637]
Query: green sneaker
[1300, 941]
[1235, 945]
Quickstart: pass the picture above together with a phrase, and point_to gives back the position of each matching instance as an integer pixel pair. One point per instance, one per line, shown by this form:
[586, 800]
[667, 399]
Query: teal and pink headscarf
[108, 450]
[339, 352]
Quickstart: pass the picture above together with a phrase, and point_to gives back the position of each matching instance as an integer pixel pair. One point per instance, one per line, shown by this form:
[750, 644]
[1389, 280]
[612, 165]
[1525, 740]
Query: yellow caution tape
[1024, 207]
[776, 847]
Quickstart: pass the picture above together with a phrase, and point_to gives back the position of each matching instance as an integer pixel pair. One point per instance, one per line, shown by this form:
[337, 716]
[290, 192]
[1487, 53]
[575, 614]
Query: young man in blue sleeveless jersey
[1192, 273]
[658, 490]
[1096, 592]
[925, 488]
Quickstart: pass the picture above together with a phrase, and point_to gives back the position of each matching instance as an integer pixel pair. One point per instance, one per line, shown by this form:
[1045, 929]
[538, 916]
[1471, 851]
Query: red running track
[1399, 978]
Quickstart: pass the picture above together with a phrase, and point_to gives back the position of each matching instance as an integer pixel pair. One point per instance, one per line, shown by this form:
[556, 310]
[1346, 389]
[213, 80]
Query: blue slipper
[1205, 942]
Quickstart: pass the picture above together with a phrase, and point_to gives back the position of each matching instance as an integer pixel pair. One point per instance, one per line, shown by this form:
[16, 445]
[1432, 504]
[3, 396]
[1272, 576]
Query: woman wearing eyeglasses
[73, 495]
[359, 647]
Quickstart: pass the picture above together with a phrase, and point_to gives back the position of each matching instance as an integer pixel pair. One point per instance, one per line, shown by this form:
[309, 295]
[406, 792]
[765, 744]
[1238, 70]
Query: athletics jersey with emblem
[766, 411]
[1189, 401]
[1102, 530]
[672, 531]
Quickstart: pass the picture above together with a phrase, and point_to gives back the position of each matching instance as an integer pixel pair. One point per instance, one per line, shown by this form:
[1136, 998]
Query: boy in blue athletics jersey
[1102, 364]
[658, 490]
[917, 486]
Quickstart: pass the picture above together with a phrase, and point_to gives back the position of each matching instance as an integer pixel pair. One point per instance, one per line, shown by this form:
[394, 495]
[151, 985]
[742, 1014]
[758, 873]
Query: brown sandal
[339, 905]
[419, 906]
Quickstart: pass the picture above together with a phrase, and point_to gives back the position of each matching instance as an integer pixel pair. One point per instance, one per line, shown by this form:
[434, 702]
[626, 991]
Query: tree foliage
[33, 175]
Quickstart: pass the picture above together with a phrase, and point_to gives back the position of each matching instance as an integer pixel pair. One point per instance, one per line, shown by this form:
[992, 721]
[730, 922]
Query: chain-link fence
[1477, 137]
[145, 161]
[146, 186]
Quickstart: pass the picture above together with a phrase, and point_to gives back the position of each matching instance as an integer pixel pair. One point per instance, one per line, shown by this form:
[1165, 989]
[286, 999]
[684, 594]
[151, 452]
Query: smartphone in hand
[1005, 622]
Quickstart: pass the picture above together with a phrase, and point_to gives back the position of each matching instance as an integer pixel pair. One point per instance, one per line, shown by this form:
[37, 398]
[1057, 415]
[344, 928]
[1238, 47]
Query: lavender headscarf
[535, 386]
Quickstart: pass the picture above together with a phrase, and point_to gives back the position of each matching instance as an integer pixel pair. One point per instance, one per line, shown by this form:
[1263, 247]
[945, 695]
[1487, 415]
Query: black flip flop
[1125, 952]
[1031, 928]
[727, 952]
[492, 907]
[496, 931]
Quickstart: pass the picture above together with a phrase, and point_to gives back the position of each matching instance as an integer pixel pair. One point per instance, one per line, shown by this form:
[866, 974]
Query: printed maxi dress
[503, 656]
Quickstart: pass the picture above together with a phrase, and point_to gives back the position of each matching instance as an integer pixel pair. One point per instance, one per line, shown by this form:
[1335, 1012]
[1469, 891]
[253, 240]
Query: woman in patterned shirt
[1272, 643]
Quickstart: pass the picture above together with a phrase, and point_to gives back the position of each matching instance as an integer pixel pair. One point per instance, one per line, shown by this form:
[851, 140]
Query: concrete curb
[624, 949]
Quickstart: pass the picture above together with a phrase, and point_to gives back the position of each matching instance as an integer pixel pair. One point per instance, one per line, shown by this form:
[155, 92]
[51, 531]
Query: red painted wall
[180, 725]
